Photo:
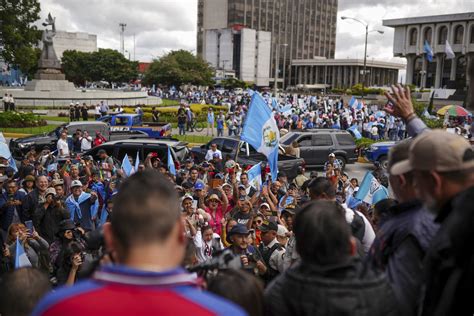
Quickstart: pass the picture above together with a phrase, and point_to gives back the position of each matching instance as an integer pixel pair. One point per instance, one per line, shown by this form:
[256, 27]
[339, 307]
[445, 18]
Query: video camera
[224, 259]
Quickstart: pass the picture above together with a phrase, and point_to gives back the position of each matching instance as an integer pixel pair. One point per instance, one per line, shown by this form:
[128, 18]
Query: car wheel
[383, 162]
[342, 162]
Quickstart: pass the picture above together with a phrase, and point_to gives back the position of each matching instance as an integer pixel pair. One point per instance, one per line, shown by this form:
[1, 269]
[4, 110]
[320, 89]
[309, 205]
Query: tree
[104, 65]
[232, 83]
[178, 68]
[19, 35]
[76, 66]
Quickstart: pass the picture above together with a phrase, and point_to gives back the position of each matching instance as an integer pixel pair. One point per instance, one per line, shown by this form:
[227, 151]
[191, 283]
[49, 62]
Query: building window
[428, 35]
[472, 35]
[442, 35]
[458, 34]
[413, 36]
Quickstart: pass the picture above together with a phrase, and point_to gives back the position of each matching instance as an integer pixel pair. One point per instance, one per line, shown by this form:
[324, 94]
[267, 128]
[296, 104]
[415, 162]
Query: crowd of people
[202, 237]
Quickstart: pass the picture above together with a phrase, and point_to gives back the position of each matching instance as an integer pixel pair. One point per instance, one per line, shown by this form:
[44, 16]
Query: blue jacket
[399, 249]
[7, 212]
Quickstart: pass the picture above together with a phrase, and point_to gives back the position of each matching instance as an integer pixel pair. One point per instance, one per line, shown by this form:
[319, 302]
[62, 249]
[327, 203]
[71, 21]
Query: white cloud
[162, 25]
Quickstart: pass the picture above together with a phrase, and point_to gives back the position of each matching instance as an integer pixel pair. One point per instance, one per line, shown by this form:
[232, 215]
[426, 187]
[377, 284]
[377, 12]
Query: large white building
[410, 36]
[82, 42]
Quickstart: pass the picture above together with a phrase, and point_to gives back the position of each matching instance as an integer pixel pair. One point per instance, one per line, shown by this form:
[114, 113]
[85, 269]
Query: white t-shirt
[62, 146]
[86, 143]
[210, 154]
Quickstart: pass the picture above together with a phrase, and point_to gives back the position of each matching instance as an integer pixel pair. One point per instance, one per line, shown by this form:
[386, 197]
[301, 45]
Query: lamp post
[277, 65]
[365, 49]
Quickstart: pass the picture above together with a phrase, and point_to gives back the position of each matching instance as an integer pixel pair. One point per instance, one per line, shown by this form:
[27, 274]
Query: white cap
[76, 183]
[282, 231]
[332, 155]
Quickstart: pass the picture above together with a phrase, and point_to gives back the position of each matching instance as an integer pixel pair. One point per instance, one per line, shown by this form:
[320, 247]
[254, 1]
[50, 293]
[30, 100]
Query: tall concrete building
[300, 29]
[455, 29]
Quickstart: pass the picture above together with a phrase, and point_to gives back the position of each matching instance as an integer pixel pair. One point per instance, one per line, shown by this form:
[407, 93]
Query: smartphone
[29, 225]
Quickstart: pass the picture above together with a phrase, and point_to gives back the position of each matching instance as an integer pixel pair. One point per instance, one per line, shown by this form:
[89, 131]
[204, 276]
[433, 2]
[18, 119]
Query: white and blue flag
[137, 162]
[428, 51]
[371, 191]
[255, 176]
[21, 259]
[354, 103]
[127, 166]
[275, 104]
[355, 131]
[5, 153]
[171, 167]
[261, 131]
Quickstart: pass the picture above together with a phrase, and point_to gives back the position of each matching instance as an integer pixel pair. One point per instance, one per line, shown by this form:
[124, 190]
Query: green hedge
[20, 119]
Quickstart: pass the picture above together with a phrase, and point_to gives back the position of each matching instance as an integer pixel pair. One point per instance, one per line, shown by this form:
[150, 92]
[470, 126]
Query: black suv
[316, 145]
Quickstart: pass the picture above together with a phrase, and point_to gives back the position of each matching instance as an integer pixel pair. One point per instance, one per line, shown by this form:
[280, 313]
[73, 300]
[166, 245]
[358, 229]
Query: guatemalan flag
[5, 153]
[354, 103]
[171, 167]
[127, 166]
[428, 51]
[21, 259]
[255, 176]
[371, 191]
[261, 131]
[355, 131]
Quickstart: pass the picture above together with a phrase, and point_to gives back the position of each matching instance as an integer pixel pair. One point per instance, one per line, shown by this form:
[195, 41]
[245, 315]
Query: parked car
[378, 152]
[143, 146]
[316, 145]
[244, 154]
[133, 122]
[20, 146]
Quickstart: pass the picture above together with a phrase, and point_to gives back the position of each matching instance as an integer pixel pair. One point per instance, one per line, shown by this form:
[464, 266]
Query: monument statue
[49, 76]
[49, 62]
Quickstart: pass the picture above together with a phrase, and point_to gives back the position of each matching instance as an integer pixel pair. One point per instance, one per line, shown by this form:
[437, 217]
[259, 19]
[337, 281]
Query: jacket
[7, 212]
[120, 290]
[345, 289]
[399, 250]
[449, 263]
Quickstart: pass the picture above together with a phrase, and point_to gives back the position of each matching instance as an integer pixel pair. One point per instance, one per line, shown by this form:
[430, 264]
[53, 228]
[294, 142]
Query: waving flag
[449, 51]
[255, 176]
[21, 259]
[275, 104]
[127, 166]
[353, 102]
[52, 167]
[355, 131]
[171, 167]
[137, 162]
[5, 153]
[261, 131]
[428, 51]
[371, 191]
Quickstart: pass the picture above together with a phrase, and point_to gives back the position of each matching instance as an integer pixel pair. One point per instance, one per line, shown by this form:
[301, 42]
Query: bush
[169, 114]
[20, 119]
[364, 142]
[357, 90]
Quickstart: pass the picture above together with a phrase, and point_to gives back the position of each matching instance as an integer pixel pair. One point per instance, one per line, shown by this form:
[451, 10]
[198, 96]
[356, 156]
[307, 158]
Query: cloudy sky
[163, 25]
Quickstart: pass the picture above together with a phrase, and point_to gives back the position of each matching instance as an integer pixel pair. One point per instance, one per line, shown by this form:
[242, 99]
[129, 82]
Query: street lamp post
[365, 49]
[277, 65]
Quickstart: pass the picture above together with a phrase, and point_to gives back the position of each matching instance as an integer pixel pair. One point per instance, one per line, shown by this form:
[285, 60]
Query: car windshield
[288, 139]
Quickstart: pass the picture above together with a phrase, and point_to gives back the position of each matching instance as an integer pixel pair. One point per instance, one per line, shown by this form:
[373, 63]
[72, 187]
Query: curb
[16, 135]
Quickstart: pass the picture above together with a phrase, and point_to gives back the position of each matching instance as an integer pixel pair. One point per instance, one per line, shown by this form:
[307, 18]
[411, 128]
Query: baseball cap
[101, 151]
[50, 191]
[332, 155]
[439, 151]
[399, 152]
[199, 186]
[268, 226]
[187, 197]
[282, 231]
[265, 204]
[76, 183]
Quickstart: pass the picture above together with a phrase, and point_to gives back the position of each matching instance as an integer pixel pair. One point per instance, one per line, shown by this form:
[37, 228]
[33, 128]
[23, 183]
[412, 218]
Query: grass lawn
[29, 130]
[55, 118]
[199, 139]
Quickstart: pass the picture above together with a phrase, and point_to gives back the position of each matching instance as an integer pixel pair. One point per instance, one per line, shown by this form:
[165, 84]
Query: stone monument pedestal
[49, 85]
[49, 78]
